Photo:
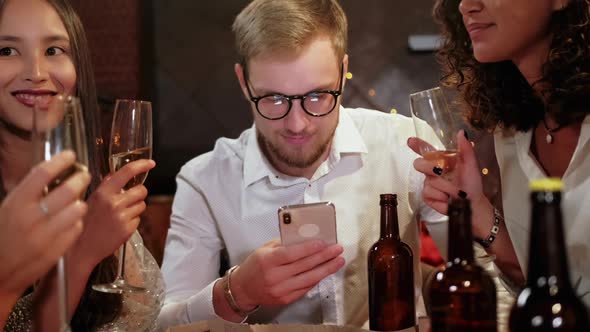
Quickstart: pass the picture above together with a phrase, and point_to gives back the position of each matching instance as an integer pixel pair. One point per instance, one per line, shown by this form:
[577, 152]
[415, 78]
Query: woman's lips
[30, 98]
[476, 29]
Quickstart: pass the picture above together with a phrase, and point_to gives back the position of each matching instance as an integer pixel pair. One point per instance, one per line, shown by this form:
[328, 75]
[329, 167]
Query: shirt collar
[347, 139]
[585, 132]
[256, 166]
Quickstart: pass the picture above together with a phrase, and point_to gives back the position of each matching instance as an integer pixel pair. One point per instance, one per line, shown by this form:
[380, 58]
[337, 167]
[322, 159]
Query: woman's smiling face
[35, 59]
[508, 29]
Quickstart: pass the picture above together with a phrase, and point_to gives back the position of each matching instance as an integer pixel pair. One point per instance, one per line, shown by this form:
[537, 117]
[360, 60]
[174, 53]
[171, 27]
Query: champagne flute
[131, 140]
[58, 126]
[435, 125]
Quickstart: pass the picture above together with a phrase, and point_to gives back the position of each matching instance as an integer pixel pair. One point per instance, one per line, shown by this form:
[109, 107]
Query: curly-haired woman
[522, 70]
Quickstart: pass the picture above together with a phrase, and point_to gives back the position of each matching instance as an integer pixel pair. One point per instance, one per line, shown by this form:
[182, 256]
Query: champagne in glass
[131, 140]
[59, 126]
[445, 159]
[118, 160]
[436, 126]
[77, 167]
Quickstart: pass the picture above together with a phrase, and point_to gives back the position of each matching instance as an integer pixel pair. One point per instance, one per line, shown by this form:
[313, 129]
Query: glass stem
[121, 269]
[62, 288]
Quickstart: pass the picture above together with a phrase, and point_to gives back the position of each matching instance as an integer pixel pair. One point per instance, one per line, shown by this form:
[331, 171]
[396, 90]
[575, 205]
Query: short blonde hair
[287, 26]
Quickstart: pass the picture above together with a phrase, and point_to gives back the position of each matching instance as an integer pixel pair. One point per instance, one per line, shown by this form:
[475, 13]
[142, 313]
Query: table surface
[217, 325]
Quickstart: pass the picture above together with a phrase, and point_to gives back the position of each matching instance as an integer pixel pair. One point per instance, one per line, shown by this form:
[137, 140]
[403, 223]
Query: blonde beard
[275, 154]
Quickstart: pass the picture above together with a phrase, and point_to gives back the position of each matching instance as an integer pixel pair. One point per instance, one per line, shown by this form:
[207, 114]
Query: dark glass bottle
[391, 275]
[548, 302]
[462, 295]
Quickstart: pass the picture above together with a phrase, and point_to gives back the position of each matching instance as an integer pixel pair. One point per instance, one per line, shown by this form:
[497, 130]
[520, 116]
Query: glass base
[118, 286]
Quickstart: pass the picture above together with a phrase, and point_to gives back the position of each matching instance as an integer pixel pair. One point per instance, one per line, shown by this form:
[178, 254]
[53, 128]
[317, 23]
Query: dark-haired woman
[43, 52]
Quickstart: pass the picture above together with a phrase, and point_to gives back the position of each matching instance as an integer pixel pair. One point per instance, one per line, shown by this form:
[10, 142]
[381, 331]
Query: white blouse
[517, 167]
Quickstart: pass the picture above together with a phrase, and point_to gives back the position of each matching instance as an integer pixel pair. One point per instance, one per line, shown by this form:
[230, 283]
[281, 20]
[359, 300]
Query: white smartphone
[303, 222]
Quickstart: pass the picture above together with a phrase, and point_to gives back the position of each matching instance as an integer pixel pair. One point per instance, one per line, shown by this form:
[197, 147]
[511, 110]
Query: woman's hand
[466, 180]
[35, 230]
[113, 215]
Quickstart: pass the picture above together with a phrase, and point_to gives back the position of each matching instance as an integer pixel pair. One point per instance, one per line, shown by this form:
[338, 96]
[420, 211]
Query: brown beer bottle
[462, 295]
[391, 275]
[548, 302]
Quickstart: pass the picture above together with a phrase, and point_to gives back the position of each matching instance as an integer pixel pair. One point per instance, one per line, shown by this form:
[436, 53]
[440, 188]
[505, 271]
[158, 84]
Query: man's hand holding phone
[278, 275]
[281, 272]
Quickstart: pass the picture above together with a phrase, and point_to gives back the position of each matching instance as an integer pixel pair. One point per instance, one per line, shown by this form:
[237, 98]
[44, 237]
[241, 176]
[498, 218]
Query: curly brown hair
[496, 94]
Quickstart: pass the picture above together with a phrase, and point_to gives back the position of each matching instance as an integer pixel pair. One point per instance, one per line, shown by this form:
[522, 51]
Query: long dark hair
[496, 94]
[94, 309]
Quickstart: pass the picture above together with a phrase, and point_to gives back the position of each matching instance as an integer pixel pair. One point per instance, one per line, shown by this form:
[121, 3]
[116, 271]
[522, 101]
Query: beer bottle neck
[460, 236]
[389, 223]
[547, 254]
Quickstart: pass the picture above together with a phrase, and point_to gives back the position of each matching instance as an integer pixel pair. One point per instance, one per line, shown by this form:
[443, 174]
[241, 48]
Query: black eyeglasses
[276, 106]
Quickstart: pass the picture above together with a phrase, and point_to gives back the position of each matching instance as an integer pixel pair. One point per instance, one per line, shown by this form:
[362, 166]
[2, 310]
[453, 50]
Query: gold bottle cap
[546, 184]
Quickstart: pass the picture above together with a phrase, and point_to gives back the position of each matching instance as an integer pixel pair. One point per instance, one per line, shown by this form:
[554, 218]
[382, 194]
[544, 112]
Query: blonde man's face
[298, 142]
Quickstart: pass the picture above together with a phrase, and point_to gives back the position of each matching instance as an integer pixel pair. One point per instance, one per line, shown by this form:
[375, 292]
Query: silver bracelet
[229, 297]
[487, 242]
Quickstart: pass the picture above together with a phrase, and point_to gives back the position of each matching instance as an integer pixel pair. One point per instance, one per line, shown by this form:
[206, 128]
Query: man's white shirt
[229, 197]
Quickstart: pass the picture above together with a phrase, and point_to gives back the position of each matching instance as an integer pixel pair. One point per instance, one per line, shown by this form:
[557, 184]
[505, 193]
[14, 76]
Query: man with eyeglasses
[304, 147]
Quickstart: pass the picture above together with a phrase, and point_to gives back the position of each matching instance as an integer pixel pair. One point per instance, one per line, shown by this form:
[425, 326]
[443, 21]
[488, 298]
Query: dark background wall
[179, 54]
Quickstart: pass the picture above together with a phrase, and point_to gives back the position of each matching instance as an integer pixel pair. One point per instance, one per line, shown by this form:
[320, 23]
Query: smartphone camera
[286, 218]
